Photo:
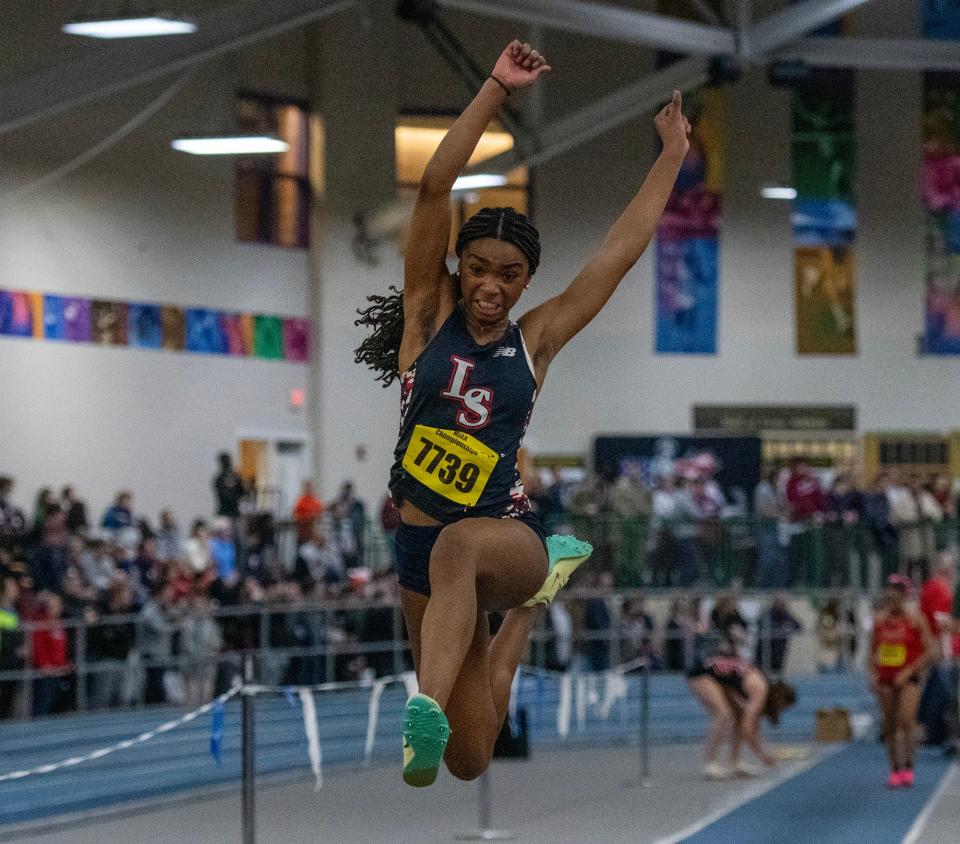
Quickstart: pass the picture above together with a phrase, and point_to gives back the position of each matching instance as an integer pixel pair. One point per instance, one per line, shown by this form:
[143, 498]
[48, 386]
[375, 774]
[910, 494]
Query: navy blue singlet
[464, 409]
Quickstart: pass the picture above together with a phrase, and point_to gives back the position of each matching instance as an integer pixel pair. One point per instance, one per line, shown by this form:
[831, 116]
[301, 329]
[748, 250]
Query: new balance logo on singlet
[475, 401]
[505, 352]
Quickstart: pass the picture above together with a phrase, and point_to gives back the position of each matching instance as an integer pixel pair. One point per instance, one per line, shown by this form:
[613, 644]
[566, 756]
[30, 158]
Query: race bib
[892, 656]
[451, 463]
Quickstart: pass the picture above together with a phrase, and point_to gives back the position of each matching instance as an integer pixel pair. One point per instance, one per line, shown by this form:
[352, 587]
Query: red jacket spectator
[805, 499]
[50, 646]
[306, 511]
[936, 604]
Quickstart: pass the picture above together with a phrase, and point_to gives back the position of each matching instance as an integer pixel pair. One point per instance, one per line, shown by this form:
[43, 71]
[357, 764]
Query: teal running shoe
[565, 554]
[425, 735]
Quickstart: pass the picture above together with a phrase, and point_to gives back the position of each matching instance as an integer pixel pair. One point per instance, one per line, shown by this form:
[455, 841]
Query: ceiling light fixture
[778, 192]
[130, 26]
[230, 144]
[480, 180]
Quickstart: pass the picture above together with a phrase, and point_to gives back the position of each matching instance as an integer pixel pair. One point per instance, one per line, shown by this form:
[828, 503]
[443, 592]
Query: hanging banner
[824, 215]
[940, 187]
[686, 248]
[148, 325]
[686, 257]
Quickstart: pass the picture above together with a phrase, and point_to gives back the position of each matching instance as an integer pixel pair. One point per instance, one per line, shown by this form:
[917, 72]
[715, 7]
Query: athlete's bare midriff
[413, 515]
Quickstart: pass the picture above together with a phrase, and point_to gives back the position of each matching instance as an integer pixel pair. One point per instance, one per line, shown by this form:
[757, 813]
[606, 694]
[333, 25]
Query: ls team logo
[474, 402]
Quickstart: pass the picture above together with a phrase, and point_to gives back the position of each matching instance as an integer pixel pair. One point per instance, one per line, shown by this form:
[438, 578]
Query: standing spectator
[597, 623]
[768, 512]
[155, 630]
[675, 636]
[350, 519]
[941, 490]
[41, 505]
[318, 562]
[905, 515]
[637, 630]
[306, 511]
[169, 541]
[665, 551]
[223, 552]
[836, 636]
[843, 508]
[49, 560]
[109, 644]
[775, 627]
[77, 596]
[11, 641]
[120, 514]
[559, 649]
[200, 642]
[883, 533]
[228, 488]
[49, 646]
[931, 515]
[805, 504]
[13, 525]
[74, 509]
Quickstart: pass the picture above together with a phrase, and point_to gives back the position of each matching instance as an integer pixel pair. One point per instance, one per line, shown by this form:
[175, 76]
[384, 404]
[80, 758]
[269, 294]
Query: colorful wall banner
[824, 219]
[940, 187]
[147, 325]
[687, 257]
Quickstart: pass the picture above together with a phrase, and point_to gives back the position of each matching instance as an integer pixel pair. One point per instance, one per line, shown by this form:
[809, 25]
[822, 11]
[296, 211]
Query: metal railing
[336, 647]
[643, 551]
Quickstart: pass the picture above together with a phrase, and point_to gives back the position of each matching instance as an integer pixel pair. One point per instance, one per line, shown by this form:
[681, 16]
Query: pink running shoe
[906, 778]
[895, 780]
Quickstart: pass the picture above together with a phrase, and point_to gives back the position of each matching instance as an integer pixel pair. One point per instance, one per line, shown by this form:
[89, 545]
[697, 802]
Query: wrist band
[505, 88]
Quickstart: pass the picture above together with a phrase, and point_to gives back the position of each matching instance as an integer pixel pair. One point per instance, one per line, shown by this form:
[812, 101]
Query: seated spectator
[318, 562]
[49, 649]
[97, 563]
[307, 509]
[169, 541]
[50, 558]
[223, 552]
[75, 510]
[120, 514]
[196, 550]
[77, 596]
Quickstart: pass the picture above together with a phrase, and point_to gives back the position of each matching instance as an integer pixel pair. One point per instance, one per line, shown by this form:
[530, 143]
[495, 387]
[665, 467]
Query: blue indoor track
[841, 800]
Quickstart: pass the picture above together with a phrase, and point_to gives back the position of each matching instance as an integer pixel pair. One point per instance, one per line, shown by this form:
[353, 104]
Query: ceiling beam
[611, 111]
[110, 69]
[874, 53]
[610, 22]
[793, 22]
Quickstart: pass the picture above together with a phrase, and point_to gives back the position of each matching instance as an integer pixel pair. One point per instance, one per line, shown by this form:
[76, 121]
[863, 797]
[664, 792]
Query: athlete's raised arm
[551, 325]
[425, 272]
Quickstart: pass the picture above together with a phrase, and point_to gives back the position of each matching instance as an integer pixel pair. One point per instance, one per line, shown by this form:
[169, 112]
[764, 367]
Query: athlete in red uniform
[902, 647]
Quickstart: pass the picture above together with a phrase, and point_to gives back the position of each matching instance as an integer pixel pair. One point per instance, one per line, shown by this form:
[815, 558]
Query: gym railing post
[248, 792]
[643, 731]
[485, 800]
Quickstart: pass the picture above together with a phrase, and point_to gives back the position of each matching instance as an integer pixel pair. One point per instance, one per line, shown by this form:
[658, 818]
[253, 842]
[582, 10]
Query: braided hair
[380, 350]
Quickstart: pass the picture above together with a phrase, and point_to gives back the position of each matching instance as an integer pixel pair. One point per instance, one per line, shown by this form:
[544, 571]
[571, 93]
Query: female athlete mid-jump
[468, 542]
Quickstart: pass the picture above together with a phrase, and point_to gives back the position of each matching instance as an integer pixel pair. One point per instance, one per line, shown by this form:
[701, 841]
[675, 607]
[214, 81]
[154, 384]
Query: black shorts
[414, 543]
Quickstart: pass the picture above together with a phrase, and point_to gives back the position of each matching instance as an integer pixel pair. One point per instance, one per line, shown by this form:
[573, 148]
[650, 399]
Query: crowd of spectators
[161, 587]
[802, 527]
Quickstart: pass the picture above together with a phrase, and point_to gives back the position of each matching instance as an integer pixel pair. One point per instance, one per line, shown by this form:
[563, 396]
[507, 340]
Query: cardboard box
[833, 725]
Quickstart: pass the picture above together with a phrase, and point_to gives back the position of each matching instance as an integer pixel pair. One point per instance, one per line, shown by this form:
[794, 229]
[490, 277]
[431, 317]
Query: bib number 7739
[451, 463]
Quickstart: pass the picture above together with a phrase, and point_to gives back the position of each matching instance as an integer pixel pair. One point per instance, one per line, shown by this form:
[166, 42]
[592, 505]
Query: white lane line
[743, 797]
[913, 834]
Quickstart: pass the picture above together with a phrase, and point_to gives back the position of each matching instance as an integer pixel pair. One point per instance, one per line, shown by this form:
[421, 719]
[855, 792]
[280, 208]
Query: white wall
[148, 224]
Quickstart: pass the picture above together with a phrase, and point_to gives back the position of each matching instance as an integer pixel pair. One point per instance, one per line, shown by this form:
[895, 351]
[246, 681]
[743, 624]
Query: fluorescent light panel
[480, 180]
[141, 27]
[778, 192]
[231, 145]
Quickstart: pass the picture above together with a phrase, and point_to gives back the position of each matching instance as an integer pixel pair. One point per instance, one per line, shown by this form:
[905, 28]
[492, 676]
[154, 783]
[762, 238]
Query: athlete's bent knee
[468, 767]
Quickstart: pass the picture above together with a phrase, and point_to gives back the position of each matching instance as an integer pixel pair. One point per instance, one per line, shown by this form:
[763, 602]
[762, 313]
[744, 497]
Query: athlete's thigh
[511, 563]
[710, 694]
[755, 685]
[908, 702]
